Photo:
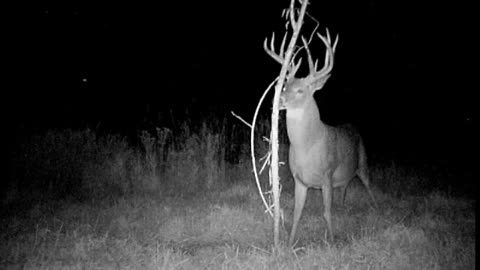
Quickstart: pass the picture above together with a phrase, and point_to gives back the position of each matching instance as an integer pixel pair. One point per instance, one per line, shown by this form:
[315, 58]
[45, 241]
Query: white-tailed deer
[320, 156]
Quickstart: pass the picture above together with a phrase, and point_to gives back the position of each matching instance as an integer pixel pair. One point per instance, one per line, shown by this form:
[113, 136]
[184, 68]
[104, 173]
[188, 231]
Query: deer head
[298, 90]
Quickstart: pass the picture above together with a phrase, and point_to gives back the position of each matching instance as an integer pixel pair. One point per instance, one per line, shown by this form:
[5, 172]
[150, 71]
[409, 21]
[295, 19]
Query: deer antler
[280, 57]
[318, 78]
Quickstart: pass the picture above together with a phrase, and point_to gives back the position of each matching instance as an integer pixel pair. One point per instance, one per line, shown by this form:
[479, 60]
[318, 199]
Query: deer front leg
[327, 204]
[343, 192]
[300, 196]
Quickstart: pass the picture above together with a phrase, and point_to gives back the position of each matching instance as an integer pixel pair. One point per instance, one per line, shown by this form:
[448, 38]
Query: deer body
[336, 150]
[320, 156]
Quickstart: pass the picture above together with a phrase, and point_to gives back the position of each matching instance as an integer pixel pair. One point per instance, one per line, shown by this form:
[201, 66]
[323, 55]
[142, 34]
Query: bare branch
[241, 119]
[292, 15]
[293, 69]
[252, 146]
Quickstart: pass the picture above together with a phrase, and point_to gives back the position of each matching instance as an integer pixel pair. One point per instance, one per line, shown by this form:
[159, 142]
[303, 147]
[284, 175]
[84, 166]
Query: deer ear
[319, 83]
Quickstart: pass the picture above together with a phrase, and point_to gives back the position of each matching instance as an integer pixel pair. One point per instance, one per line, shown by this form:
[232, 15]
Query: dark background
[400, 74]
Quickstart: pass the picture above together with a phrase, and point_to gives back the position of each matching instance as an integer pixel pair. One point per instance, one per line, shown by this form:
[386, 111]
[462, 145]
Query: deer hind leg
[362, 172]
[300, 196]
[343, 193]
[363, 175]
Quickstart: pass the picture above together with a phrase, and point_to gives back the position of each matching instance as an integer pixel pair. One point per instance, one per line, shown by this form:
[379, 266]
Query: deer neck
[304, 126]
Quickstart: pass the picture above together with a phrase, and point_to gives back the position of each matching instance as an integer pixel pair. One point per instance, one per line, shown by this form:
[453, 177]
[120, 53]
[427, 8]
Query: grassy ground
[225, 227]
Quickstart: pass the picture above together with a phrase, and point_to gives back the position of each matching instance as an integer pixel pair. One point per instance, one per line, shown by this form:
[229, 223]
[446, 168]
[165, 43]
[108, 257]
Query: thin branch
[274, 177]
[241, 119]
[252, 146]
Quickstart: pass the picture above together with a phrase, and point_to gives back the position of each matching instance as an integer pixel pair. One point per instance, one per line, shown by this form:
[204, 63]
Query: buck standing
[320, 156]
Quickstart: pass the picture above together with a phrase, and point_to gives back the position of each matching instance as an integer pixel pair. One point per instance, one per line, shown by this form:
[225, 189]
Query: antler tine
[271, 51]
[272, 42]
[335, 43]
[328, 37]
[328, 55]
[330, 40]
[311, 66]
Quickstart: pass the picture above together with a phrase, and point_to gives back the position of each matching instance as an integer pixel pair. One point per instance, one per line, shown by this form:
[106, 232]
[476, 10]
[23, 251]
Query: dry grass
[186, 208]
[228, 229]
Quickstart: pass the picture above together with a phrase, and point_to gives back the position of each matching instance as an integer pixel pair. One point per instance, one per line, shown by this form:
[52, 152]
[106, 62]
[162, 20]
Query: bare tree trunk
[296, 25]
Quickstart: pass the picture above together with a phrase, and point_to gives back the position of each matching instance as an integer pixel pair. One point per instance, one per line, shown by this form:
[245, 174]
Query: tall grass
[82, 164]
[181, 160]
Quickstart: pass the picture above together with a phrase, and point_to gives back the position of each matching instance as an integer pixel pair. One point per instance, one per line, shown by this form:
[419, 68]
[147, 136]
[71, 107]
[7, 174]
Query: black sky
[401, 66]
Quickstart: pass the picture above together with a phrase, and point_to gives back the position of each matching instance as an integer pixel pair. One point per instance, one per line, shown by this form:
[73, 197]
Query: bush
[52, 162]
[82, 164]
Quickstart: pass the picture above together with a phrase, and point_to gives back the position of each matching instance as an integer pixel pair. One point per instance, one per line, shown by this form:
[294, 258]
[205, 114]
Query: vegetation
[185, 198]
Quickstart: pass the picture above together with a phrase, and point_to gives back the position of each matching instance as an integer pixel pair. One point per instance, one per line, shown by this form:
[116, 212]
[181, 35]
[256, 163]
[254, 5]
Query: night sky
[400, 72]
